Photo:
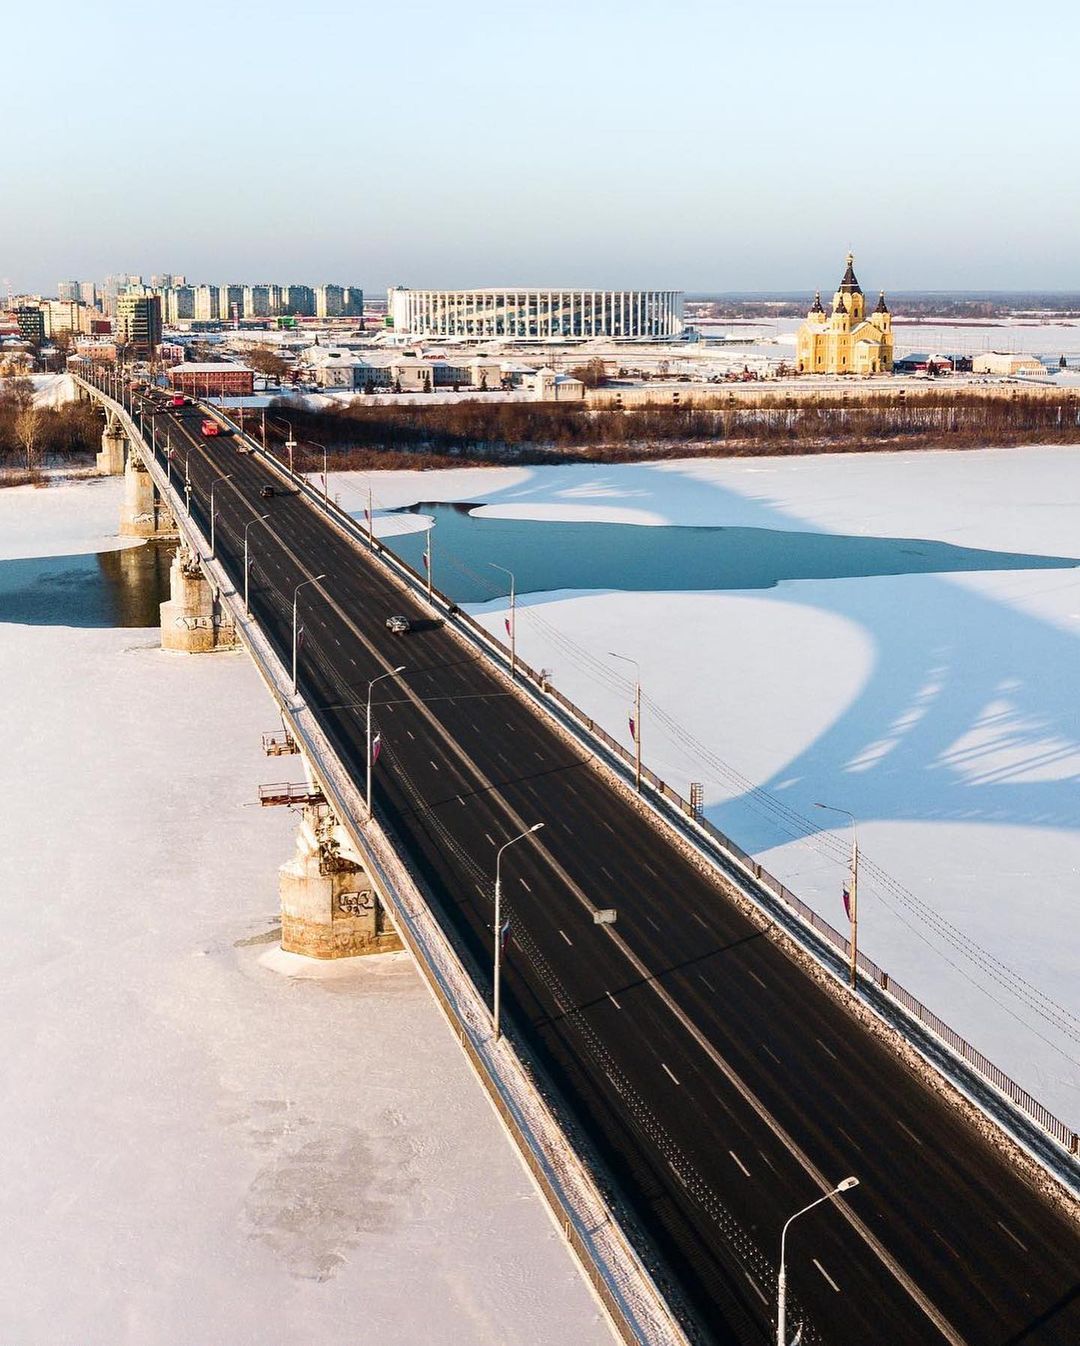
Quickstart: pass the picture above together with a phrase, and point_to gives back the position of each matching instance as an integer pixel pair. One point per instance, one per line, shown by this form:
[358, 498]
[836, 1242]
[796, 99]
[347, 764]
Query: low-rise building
[547, 385]
[1004, 362]
[212, 379]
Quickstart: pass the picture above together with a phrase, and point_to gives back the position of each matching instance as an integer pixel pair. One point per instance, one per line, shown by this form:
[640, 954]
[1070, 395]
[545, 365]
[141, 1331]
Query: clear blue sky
[703, 145]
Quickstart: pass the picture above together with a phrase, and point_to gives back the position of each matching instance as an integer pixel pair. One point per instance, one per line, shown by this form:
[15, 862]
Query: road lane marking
[774, 1056]
[567, 938]
[525, 886]
[490, 838]
[1013, 1236]
[613, 1000]
[755, 1287]
[604, 870]
[708, 983]
[433, 763]
[826, 1049]
[755, 976]
[768, 1161]
[740, 1163]
[908, 1129]
[699, 920]
[411, 734]
[825, 1274]
[668, 1072]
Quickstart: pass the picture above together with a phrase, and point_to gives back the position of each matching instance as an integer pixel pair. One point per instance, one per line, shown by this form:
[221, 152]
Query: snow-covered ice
[940, 709]
[208, 1141]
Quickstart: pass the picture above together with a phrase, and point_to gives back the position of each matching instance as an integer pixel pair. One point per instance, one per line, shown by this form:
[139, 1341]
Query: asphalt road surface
[717, 1087]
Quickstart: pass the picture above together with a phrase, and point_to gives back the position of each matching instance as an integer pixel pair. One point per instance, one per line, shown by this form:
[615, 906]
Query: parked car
[267, 493]
[399, 625]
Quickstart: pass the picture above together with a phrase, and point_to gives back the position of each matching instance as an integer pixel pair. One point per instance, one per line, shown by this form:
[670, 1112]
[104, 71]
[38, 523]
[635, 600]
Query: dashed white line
[411, 734]
[826, 1049]
[433, 763]
[757, 979]
[908, 1129]
[567, 938]
[699, 920]
[668, 1072]
[708, 983]
[768, 1161]
[825, 1274]
[772, 1054]
[755, 1286]
[740, 1163]
[613, 1000]
[604, 870]
[651, 921]
[525, 886]
[1012, 1236]
[490, 838]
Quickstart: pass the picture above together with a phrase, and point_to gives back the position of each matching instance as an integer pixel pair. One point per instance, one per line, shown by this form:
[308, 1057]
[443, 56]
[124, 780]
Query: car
[399, 625]
[210, 429]
[267, 493]
[176, 401]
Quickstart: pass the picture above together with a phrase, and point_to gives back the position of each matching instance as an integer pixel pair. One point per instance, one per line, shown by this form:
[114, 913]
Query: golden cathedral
[846, 341]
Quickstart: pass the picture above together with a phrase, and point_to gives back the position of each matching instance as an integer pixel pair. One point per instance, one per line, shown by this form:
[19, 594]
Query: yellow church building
[846, 341]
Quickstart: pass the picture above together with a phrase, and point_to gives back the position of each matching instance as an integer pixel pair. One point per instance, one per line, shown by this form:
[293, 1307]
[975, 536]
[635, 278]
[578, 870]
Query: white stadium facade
[537, 315]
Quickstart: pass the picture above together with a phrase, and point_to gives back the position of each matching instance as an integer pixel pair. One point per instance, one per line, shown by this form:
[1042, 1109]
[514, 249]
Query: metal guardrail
[671, 799]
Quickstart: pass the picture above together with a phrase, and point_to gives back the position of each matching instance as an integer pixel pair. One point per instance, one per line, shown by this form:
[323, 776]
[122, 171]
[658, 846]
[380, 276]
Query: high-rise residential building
[207, 303]
[88, 293]
[67, 290]
[31, 320]
[261, 301]
[65, 315]
[298, 300]
[138, 323]
[353, 302]
[230, 302]
[329, 301]
[179, 303]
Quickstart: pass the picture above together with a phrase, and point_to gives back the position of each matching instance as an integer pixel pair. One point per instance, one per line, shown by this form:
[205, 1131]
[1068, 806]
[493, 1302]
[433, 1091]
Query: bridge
[680, 1080]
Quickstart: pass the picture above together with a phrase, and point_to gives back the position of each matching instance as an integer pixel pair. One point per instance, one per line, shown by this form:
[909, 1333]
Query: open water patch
[124, 587]
[546, 556]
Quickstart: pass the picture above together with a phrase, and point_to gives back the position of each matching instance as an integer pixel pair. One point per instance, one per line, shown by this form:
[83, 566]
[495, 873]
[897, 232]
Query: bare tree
[27, 428]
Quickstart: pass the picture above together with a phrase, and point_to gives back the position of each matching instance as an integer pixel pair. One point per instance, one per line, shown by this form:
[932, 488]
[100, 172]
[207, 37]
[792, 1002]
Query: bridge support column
[192, 620]
[110, 461]
[329, 908]
[144, 513]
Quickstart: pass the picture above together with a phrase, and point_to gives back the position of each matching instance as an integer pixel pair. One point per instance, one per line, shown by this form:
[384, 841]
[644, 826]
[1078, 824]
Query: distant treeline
[372, 436]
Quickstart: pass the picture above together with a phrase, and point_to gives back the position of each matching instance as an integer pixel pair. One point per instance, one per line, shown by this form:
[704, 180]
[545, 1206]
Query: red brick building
[213, 379]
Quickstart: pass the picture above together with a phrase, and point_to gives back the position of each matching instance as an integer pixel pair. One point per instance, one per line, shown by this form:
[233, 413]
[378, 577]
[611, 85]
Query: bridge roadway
[712, 1075]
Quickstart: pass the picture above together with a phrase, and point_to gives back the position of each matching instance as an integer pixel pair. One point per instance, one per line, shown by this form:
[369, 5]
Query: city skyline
[702, 147]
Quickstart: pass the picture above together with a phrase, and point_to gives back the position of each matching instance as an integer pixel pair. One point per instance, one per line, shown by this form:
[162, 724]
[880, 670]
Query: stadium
[536, 315]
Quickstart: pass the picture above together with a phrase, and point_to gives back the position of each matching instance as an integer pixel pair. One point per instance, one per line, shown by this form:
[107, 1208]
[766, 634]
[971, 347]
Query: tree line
[370, 436]
[33, 437]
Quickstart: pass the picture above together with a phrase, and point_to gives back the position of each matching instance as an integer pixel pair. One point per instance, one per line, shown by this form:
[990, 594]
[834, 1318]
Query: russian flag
[506, 623]
[847, 901]
[376, 747]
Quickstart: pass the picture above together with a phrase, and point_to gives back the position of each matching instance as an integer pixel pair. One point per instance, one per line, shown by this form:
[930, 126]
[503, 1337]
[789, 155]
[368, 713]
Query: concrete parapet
[143, 513]
[329, 908]
[192, 620]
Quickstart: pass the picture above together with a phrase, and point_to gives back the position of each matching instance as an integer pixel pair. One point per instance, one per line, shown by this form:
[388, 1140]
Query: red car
[210, 429]
[176, 401]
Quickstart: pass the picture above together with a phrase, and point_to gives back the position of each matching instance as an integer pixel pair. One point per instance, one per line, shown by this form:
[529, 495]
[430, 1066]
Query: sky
[697, 144]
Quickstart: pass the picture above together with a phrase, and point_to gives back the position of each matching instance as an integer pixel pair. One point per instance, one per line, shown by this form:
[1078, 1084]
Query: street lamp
[781, 1285]
[635, 723]
[250, 524]
[498, 923]
[511, 624]
[853, 897]
[296, 593]
[393, 672]
[324, 461]
[213, 516]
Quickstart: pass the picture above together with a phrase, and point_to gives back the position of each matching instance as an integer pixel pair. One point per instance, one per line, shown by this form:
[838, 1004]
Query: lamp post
[393, 673]
[296, 594]
[250, 524]
[498, 924]
[324, 462]
[213, 516]
[512, 621]
[781, 1285]
[635, 725]
[853, 913]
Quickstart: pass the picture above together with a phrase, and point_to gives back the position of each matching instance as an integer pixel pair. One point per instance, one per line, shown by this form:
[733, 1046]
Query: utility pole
[511, 621]
[635, 724]
[852, 893]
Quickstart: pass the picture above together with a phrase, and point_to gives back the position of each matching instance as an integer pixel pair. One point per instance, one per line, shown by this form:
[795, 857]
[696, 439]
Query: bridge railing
[679, 809]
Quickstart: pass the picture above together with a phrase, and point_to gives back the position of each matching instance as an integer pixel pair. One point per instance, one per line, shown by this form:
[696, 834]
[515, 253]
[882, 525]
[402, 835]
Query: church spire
[882, 307]
[849, 283]
[816, 306]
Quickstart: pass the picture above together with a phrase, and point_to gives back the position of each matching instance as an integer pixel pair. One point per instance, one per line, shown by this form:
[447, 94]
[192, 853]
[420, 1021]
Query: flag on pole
[633, 727]
[504, 937]
[376, 747]
[300, 638]
[506, 623]
[367, 516]
[847, 901]
[427, 563]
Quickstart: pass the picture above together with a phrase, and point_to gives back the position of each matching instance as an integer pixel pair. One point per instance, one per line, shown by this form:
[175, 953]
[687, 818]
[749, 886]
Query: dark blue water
[111, 588]
[546, 556]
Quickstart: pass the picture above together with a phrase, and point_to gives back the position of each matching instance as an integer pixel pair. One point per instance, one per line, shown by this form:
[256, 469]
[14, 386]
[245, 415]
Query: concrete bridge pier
[143, 513]
[192, 619]
[110, 461]
[329, 908]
